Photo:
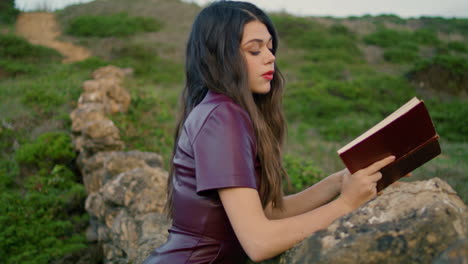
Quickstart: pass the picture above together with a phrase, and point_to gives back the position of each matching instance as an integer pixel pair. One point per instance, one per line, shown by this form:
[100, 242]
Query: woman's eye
[255, 53]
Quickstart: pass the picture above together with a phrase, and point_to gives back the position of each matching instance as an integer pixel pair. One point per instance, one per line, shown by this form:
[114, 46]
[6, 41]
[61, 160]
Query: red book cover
[408, 134]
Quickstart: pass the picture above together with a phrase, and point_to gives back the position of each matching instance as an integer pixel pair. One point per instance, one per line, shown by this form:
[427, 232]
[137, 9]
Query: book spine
[409, 162]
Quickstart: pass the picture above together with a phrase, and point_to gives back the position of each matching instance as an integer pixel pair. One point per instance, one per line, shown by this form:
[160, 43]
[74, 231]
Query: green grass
[147, 63]
[332, 95]
[42, 197]
[17, 56]
[399, 55]
[118, 25]
[150, 122]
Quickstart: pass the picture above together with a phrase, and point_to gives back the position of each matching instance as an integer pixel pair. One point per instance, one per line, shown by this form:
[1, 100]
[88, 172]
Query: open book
[408, 134]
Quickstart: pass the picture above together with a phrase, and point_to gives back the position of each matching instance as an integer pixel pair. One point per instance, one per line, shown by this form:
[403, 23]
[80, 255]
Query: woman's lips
[268, 75]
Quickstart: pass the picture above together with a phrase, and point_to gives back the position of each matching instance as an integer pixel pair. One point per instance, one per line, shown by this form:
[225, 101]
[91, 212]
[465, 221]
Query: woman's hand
[360, 187]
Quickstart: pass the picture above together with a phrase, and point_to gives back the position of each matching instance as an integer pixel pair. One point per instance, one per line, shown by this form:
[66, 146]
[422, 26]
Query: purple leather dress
[216, 149]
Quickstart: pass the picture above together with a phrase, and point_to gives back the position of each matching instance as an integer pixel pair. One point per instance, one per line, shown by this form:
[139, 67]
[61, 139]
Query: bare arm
[263, 238]
[309, 199]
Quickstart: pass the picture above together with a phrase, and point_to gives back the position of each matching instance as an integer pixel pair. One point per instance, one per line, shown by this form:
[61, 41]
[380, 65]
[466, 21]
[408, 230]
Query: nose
[269, 57]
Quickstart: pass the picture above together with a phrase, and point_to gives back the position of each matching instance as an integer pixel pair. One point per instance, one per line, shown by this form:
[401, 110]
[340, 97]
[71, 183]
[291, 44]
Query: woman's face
[256, 46]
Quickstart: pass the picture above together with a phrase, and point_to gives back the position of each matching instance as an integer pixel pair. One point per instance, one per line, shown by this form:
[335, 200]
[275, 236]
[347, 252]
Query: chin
[262, 90]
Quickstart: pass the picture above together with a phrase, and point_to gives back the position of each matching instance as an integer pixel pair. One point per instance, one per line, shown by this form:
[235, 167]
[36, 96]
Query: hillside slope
[343, 75]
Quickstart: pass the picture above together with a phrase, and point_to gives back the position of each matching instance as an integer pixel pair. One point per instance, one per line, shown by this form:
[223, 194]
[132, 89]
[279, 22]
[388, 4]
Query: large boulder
[128, 214]
[413, 222]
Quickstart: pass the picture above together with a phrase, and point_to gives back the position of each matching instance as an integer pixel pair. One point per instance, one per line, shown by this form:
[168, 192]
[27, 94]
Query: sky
[337, 8]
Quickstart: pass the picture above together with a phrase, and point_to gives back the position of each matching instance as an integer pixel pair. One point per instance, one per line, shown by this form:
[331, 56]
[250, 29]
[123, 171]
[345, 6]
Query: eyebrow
[258, 40]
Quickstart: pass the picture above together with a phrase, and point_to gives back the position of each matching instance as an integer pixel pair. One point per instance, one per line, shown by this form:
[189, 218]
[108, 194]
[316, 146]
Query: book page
[399, 112]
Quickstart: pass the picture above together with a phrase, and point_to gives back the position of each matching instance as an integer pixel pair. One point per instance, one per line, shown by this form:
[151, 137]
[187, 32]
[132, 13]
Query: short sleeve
[224, 150]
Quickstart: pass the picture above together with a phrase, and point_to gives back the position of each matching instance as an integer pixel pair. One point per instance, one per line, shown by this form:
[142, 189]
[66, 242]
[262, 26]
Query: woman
[224, 189]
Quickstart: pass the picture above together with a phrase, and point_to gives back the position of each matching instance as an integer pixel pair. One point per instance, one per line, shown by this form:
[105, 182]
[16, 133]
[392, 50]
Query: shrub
[444, 73]
[339, 29]
[306, 34]
[45, 220]
[91, 63]
[49, 149]
[384, 37]
[457, 46]
[8, 12]
[15, 67]
[43, 224]
[42, 99]
[302, 173]
[448, 25]
[20, 57]
[456, 65]
[15, 47]
[8, 167]
[425, 36]
[392, 18]
[450, 119]
[117, 25]
[399, 55]
[341, 109]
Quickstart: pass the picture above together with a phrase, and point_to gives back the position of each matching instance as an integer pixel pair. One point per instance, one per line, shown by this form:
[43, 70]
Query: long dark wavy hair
[214, 62]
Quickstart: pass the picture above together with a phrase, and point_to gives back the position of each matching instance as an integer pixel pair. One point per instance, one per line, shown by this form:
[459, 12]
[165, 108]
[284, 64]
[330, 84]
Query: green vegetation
[446, 73]
[457, 46]
[8, 12]
[302, 173]
[333, 94]
[447, 25]
[402, 46]
[118, 25]
[49, 149]
[400, 55]
[381, 19]
[334, 43]
[19, 56]
[147, 64]
[45, 220]
[42, 196]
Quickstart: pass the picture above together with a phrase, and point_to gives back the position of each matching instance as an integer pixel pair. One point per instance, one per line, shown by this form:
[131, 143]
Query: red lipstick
[268, 75]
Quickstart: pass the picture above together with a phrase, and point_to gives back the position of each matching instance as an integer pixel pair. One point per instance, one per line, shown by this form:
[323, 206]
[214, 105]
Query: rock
[128, 209]
[103, 166]
[409, 223]
[111, 72]
[126, 190]
[88, 113]
[93, 131]
[99, 135]
[456, 253]
[130, 189]
[119, 98]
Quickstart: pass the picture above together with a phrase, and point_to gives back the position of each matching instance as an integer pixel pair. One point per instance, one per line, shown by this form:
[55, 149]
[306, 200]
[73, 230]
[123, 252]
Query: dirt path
[41, 28]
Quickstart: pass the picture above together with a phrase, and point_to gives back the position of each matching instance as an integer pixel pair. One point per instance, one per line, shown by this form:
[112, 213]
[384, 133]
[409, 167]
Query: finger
[408, 175]
[375, 177]
[379, 165]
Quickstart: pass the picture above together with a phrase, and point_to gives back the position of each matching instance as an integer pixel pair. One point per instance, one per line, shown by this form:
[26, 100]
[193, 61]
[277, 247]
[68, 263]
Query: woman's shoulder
[216, 107]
